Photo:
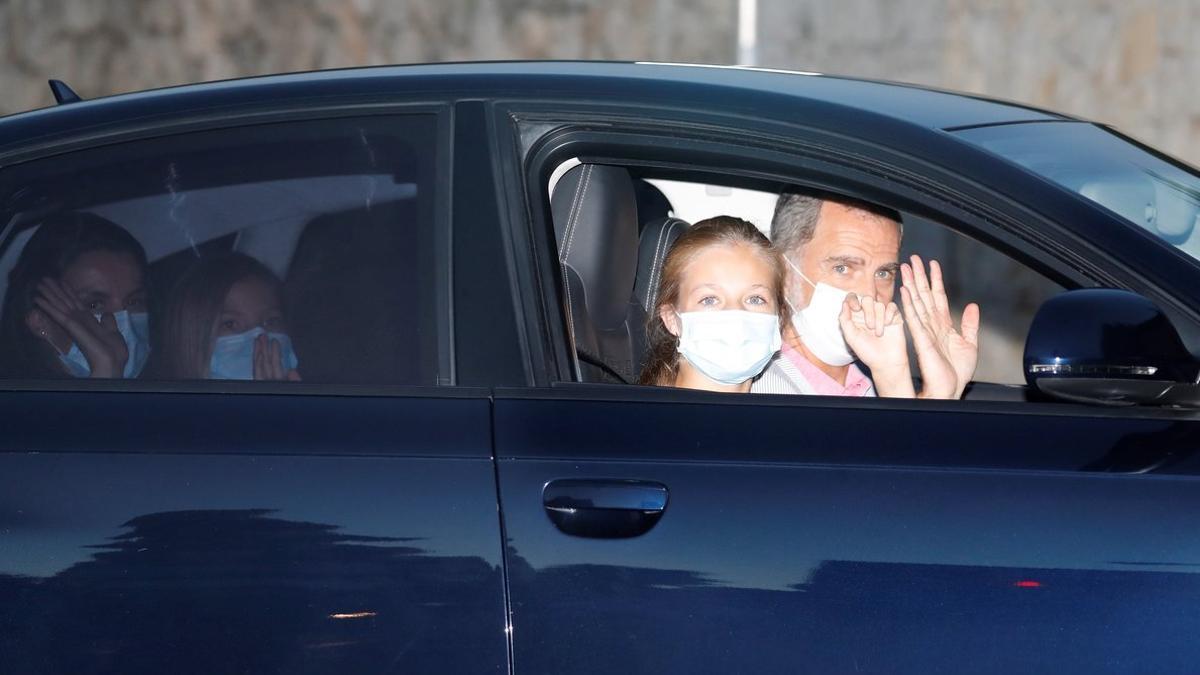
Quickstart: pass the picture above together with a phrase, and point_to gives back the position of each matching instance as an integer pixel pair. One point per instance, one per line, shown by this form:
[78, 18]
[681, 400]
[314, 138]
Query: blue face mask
[135, 328]
[233, 355]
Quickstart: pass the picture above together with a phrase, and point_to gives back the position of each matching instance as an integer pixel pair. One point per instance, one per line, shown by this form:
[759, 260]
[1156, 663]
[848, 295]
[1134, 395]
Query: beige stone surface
[1134, 64]
[109, 46]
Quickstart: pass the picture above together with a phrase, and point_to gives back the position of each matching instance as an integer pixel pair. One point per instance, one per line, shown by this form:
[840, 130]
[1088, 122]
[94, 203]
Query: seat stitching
[570, 313]
[571, 215]
[573, 226]
[569, 237]
[654, 265]
[658, 262]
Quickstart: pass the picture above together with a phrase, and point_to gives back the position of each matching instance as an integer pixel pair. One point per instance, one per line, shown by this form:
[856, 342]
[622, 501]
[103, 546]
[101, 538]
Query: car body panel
[852, 538]
[221, 533]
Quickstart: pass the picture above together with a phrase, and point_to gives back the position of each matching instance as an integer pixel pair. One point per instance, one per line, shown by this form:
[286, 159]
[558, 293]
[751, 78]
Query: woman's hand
[874, 331]
[946, 355]
[268, 361]
[101, 343]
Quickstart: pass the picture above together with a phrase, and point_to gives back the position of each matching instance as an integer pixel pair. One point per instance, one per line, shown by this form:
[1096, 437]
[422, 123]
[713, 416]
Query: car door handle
[604, 509]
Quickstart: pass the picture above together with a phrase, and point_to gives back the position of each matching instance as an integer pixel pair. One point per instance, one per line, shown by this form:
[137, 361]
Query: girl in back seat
[224, 321]
[719, 309]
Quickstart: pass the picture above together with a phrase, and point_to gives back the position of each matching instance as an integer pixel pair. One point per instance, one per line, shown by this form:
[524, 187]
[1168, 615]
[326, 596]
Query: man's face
[850, 249]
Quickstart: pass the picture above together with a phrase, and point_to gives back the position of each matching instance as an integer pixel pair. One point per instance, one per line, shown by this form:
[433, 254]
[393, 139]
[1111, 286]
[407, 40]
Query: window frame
[87, 139]
[545, 134]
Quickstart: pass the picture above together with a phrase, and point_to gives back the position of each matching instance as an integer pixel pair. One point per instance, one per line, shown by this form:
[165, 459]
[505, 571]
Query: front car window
[1147, 190]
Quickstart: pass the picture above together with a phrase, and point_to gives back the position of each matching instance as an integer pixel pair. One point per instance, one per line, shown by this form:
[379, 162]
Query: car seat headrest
[595, 222]
[657, 238]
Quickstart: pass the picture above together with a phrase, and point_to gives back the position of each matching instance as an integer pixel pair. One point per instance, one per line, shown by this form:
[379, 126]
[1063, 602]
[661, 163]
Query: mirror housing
[1110, 347]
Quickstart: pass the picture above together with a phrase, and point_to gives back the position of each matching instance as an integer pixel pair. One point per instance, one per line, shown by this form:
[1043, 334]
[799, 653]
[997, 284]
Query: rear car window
[318, 235]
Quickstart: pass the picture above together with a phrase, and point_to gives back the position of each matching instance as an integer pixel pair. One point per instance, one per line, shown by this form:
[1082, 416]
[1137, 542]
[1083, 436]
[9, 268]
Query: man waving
[842, 259]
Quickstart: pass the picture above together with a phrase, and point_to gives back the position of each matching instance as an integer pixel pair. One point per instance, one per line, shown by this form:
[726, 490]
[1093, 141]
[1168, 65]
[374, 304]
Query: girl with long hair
[225, 321]
[719, 308]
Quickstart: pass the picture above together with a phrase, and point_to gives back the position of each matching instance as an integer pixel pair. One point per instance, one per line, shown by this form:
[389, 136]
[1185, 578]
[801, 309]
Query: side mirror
[1109, 347]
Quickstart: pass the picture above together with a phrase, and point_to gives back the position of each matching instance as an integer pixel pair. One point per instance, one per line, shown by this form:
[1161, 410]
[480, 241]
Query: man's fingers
[970, 324]
[852, 302]
[915, 306]
[874, 311]
[845, 320]
[921, 282]
[892, 316]
[108, 321]
[916, 327]
[940, 304]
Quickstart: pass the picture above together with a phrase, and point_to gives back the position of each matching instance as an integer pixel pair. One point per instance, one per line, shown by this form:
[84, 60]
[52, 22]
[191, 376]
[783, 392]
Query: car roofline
[619, 69]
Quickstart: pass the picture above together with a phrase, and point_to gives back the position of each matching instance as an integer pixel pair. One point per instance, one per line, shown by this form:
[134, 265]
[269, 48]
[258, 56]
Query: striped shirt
[790, 373]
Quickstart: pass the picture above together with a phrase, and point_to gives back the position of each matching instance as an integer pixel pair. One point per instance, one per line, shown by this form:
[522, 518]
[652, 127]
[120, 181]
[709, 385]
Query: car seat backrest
[357, 297]
[595, 223]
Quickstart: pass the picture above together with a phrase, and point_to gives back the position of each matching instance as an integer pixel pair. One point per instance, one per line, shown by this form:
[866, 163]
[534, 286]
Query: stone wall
[108, 46]
[1131, 63]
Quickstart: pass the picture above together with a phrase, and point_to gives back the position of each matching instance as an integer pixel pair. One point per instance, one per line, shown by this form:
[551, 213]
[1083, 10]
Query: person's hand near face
[251, 304]
[99, 282]
[268, 361]
[947, 355]
[855, 253]
[874, 331]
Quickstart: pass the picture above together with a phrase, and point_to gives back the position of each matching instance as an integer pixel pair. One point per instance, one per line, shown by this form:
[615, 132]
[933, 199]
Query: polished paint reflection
[210, 591]
[862, 617]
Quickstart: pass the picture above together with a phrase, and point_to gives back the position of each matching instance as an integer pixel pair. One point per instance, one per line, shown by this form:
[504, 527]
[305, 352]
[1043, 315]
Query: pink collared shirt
[857, 384]
[790, 373]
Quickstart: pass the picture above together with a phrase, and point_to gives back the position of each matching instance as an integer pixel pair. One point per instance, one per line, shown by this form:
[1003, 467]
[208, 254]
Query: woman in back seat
[76, 302]
[224, 321]
[719, 307]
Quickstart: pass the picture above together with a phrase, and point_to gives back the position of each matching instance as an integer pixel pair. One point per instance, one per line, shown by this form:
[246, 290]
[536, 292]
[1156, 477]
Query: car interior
[614, 226]
[340, 225]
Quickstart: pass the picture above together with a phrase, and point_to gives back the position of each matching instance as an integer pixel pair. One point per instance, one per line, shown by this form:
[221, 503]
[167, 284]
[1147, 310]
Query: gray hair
[796, 213]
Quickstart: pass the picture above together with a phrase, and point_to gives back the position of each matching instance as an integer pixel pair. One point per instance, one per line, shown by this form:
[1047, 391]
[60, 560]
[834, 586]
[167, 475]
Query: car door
[824, 535]
[659, 530]
[343, 523]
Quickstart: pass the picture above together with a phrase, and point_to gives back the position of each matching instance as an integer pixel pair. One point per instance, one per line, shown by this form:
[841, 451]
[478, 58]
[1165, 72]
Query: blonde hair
[190, 327]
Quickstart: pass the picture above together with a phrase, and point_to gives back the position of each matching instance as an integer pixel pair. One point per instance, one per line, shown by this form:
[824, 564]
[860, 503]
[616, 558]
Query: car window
[318, 236]
[1150, 192]
[1009, 292]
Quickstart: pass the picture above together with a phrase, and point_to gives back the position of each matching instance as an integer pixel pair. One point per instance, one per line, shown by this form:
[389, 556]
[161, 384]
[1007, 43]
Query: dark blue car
[465, 482]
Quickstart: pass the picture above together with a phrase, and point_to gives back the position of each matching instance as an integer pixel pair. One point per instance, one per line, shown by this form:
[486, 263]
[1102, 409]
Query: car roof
[735, 89]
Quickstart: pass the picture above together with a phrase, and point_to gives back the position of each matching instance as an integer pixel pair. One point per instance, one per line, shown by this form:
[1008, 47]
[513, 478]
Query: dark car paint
[820, 535]
[226, 531]
[205, 533]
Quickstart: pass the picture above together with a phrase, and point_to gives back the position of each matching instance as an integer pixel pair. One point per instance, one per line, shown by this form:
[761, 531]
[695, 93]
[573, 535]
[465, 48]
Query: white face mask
[135, 328]
[729, 346]
[818, 325]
